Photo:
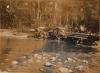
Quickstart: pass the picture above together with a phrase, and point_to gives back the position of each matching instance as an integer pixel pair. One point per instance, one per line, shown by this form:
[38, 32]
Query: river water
[10, 48]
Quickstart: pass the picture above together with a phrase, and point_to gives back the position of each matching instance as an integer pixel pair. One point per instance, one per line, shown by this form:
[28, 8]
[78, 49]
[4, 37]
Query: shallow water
[10, 48]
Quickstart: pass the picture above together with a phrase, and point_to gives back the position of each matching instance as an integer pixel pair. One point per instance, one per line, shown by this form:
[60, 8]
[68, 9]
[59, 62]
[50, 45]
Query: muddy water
[10, 48]
[21, 45]
[25, 46]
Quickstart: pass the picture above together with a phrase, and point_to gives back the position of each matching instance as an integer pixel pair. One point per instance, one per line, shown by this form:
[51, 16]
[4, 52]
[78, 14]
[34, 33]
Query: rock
[59, 59]
[85, 61]
[64, 70]
[74, 61]
[15, 62]
[38, 56]
[70, 59]
[70, 71]
[80, 67]
[44, 54]
[24, 57]
[53, 59]
[48, 64]
[57, 54]
[38, 61]
[75, 58]
[65, 61]
[60, 63]
[42, 70]
[30, 60]
[44, 58]
[46, 69]
[24, 62]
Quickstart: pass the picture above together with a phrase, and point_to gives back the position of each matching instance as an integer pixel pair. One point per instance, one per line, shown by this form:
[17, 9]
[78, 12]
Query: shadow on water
[57, 46]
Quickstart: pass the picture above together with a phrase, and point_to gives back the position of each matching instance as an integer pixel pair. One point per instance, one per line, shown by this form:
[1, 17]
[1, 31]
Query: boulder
[48, 64]
[64, 70]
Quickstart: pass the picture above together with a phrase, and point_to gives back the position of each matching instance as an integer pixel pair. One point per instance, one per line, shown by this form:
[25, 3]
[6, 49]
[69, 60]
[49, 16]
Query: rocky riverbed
[51, 62]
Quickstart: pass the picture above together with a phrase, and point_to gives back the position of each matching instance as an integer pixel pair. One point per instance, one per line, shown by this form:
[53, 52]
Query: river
[11, 47]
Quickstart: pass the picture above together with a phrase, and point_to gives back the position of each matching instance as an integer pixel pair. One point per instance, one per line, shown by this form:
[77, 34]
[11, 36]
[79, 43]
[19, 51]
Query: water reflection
[4, 60]
[56, 46]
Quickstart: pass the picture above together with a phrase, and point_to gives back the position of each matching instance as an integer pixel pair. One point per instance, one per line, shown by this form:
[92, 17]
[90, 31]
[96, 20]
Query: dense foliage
[50, 13]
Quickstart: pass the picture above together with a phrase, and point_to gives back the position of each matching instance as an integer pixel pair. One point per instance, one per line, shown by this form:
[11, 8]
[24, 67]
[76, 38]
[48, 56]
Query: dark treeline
[50, 13]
